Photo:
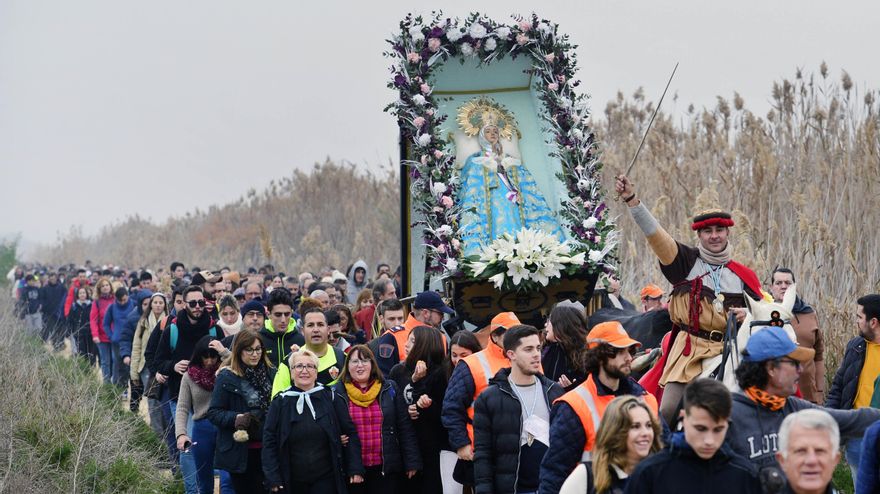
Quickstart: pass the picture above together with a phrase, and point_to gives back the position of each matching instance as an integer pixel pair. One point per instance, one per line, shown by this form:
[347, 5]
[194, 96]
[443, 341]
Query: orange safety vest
[590, 408]
[401, 336]
[483, 366]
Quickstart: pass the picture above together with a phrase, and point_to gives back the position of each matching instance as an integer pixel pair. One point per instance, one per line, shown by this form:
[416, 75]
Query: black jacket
[277, 345]
[78, 319]
[331, 413]
[400, 451]
[188, 334]
[555, 363]
[497, 430]
[846, 381]
[234, 395]
[678, 469]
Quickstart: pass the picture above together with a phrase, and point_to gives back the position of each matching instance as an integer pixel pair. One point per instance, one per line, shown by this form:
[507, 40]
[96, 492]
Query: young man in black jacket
[512, 418]
[698, 460]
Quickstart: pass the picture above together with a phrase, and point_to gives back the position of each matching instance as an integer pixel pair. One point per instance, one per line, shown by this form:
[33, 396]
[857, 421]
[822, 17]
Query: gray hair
[318, 293]
[812, 419]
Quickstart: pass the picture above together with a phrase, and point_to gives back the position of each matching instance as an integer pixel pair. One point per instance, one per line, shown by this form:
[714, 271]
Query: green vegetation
[8, 258]
[65, 431]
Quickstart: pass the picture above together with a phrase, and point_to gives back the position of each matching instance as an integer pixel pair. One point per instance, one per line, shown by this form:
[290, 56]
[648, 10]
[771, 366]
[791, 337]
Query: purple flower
[415, 174]
[400, 81]
[436, 32]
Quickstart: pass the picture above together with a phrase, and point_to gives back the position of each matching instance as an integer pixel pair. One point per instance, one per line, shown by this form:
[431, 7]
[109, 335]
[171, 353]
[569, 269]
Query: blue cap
[772, 342]
[431, 300]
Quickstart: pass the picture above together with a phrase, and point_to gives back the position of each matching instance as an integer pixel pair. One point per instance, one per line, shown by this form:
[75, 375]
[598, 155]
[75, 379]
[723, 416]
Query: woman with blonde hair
[628, 433]
[102, 302]
[139, 372]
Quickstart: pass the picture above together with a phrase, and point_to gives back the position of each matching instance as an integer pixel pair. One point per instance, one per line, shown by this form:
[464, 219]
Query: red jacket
[96, 319]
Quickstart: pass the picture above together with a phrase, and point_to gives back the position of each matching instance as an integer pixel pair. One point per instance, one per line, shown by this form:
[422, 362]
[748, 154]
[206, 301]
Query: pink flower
[419, 122]
[434, 44]
[413, 57]
[550, 57]
[446, 201]
[441, 248]
[424, 159]
[430, 111]
[553, 86]
[426, 89]
[561, 78]
[522, 39]
[525, 26]
[438, 154]
[455, 243]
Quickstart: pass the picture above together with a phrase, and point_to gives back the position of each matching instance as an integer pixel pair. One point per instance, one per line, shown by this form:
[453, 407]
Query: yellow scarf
[765, 399]
[361, 398]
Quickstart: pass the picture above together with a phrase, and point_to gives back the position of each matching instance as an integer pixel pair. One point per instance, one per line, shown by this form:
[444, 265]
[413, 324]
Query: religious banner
[501, 181]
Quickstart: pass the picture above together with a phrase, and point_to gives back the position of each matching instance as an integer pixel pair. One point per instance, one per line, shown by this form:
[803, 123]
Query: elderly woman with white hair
[809, 450]
[310, 444]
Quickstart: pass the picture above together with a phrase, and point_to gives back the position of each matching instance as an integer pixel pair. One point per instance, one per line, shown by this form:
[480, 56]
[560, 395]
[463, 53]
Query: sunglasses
[197, 303]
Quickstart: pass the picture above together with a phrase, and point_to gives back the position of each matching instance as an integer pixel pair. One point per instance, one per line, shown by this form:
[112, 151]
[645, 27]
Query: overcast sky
[110, 108]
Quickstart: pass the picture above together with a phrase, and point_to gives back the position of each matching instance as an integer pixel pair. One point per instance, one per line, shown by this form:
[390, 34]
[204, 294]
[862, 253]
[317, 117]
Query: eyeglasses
[793, 362]
[359, 362]
[253, 351]
[200, 303]
[302, 367]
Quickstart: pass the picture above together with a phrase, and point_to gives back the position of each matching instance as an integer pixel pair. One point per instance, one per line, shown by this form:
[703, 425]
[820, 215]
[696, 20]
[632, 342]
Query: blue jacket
[459, 397]
[126, 337]
[868, 479]
[115, 318]
[846, 381]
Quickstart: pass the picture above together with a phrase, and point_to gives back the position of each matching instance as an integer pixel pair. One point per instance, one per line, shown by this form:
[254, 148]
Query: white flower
[467, 50]
[596, 256]
[517, 270]
[438, 188]
[416, 33]
[577, 259]
[443, 231]
[503, 32]
[583, 184]
[590, 222]
[491, 44]
[477, 31]
[424, 140]
[498, 280]
[454, 34]
[419, 100]
[540, 278]
[545, 29]
[478, 267]
[577, 133]
[451, 264]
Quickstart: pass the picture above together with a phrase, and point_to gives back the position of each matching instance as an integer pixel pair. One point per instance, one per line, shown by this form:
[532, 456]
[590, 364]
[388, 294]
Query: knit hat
[253, 305]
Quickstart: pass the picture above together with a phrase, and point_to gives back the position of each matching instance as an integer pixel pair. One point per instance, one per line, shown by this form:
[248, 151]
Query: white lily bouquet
[526, 260]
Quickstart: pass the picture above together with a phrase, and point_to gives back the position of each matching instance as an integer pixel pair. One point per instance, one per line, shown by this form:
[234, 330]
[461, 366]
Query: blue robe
[487, 213]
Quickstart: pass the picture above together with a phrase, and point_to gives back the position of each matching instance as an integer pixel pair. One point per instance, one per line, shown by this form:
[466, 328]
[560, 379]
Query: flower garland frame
[420, 47]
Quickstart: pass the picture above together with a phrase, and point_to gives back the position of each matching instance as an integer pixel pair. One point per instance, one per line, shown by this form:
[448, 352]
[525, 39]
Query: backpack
[172, 336]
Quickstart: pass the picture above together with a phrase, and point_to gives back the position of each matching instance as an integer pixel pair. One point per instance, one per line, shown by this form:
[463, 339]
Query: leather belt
[716, 336]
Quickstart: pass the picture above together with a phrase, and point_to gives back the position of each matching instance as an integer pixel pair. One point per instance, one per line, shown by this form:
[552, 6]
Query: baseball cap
[651, 291]
[431, 300]
[505, 320]
[610, 332]
[771, 342]
[203, 277]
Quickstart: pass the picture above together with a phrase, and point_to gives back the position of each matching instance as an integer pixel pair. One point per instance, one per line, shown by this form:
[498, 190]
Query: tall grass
[61, 430]
[330, 215]
[802, 182]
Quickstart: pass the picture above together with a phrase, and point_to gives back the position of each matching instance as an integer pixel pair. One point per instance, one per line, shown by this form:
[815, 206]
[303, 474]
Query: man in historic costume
[706, 285]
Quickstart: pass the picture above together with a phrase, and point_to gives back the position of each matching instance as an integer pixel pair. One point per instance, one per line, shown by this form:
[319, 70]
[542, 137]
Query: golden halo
[478, 112]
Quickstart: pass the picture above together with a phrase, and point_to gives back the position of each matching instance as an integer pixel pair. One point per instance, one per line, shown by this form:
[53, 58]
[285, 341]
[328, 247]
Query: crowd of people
[335, 383]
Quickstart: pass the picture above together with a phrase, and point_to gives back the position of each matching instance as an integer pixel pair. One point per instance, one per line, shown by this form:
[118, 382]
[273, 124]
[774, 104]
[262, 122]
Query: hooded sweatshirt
[126, 335]
[277, 344]
[115, 318]
[754, 429]
[353, 287]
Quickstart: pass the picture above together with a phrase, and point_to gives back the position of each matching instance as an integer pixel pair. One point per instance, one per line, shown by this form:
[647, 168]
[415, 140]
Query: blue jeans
[852, 453]
[104, 357]
[204, 438]
[187, 459]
